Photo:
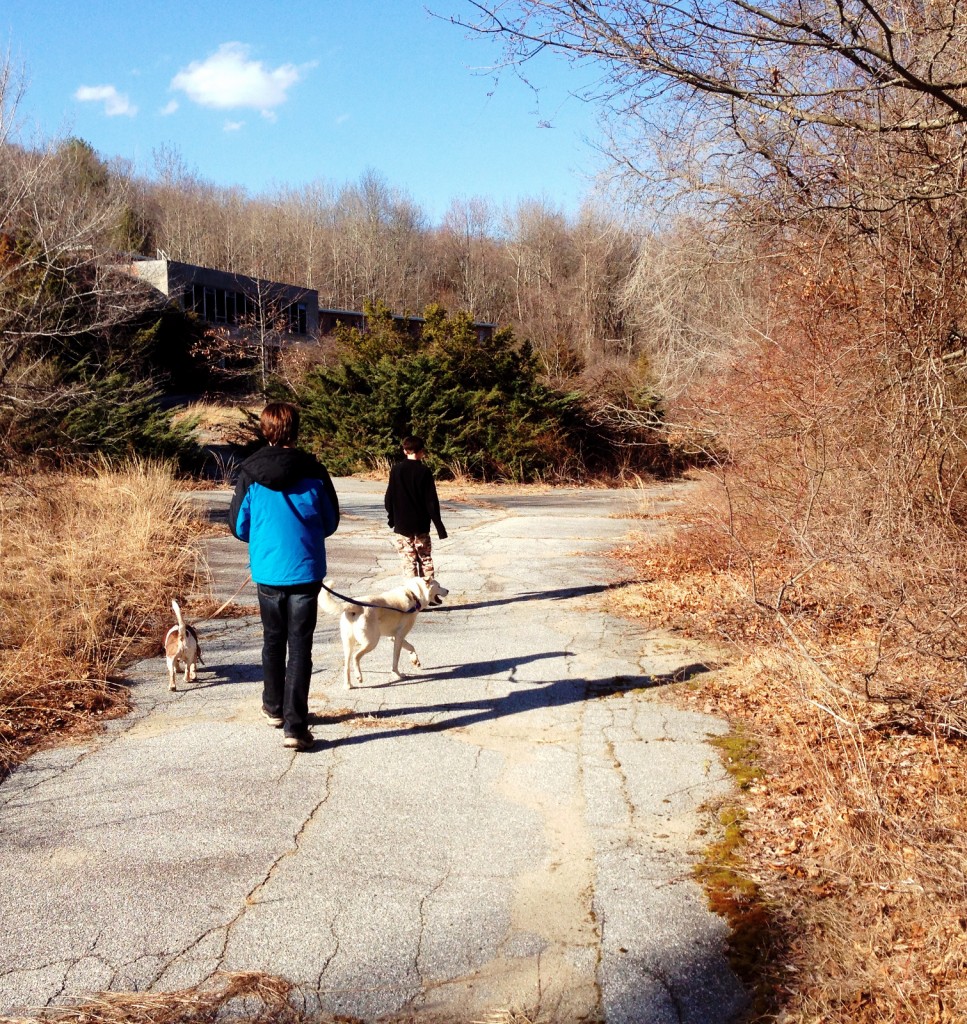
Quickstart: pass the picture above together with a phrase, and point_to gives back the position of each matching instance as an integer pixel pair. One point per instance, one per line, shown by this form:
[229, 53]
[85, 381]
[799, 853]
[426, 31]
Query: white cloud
[343, 118]
[169, 108]
[233, 126]
[115, 103]
[228, 79]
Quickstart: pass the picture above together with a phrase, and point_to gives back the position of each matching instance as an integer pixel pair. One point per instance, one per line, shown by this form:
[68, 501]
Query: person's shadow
[563, 594]
[460, 714]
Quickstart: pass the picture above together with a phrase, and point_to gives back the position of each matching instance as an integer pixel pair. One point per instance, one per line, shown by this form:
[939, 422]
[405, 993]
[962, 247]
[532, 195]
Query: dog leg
[407, 646]
[171, 675]
[399, 642]
[353, 673]
[355, 649]
[347, 671]
[357, 668]
[360, 650]
[348, 646]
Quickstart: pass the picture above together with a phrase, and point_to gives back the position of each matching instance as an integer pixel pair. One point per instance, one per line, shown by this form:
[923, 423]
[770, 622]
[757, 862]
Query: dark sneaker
[300, 741]
[273, 720]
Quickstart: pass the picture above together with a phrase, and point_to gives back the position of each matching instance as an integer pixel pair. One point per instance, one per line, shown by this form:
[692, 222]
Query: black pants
[288, 623]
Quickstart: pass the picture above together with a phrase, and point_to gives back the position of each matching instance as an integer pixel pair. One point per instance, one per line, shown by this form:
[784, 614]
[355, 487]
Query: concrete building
[235, 300]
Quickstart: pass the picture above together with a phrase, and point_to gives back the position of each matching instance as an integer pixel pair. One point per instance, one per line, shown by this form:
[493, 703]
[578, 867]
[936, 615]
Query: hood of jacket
[279, 468]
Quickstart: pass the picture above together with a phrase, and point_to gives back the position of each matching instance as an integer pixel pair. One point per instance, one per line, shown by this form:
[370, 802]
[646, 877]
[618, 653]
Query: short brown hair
[413, 444]
[280, 423]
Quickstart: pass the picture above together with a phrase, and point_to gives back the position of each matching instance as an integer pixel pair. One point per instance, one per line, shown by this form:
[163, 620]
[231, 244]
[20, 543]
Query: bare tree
[606, 253]
[470, 259]
[829, 136]
[60, 213]
[692, 295]
[814, 62]
[774, 88]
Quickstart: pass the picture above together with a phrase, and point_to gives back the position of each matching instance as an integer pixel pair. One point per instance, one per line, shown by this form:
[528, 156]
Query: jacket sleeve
[332, 522]
[238, 511]
[433, 507]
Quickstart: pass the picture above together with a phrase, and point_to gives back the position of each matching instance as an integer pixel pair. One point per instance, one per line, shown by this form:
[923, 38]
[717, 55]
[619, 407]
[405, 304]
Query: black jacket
[411, 500]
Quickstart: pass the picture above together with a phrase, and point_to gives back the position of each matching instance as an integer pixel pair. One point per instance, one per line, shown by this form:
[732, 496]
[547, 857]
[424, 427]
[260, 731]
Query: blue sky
[268, 94]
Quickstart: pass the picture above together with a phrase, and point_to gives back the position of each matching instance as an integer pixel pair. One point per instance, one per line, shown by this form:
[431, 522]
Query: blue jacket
[284, 507]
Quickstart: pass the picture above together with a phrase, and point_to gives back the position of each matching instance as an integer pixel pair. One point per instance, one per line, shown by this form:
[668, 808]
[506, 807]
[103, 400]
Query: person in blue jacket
[284, 507]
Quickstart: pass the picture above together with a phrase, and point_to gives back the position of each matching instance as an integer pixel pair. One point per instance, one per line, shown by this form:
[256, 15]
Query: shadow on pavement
[461, 714]
[564, 594]
[224, 675]
[472, 670]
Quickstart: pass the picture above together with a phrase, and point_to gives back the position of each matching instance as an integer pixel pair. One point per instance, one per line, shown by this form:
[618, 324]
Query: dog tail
[178, 618]
[327, 603]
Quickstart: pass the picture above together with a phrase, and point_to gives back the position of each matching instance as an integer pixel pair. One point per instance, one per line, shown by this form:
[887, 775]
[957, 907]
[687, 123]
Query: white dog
[392, 613]
[182, 650]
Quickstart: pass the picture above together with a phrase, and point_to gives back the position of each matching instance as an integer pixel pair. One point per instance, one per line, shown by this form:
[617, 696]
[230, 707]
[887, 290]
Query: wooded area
[782, 296]
[578, 291]
[825, 142]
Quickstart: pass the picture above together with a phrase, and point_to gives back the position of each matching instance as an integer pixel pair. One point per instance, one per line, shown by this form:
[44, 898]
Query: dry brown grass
[856, 836]
[91, 563]
[243, 998]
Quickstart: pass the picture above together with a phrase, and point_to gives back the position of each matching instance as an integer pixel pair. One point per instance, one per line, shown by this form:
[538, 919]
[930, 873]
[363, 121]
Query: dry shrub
[219, 423]
[91, 562]
[855, 838]
[829, 554]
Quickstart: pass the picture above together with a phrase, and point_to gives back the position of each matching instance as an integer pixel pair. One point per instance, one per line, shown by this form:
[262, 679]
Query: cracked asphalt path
[512, 826]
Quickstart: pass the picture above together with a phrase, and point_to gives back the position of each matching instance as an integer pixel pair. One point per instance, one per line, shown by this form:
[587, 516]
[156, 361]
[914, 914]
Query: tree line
[824, 145]
[569, 289]
[569, 283]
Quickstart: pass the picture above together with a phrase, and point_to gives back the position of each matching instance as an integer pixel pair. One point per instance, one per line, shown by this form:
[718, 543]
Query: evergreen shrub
[478, 402]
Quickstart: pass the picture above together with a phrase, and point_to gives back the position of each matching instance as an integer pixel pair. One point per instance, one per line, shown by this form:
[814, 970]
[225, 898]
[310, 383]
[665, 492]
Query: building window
[298, 318]
[196, 300]
[242, 310]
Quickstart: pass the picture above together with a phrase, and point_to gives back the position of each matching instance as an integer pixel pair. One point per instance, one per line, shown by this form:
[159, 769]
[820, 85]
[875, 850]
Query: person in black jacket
[284, 507]
[411, 505]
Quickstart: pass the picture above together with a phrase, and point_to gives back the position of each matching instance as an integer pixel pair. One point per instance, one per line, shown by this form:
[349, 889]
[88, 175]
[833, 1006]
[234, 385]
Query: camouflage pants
[415, 555]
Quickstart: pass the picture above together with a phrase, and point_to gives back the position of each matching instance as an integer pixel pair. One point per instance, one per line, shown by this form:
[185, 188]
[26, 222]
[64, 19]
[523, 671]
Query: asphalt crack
[428, 895]
[250, 900]
[329, 959]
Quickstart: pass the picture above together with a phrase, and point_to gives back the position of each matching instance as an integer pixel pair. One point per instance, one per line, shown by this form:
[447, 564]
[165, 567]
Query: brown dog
[182, 650]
